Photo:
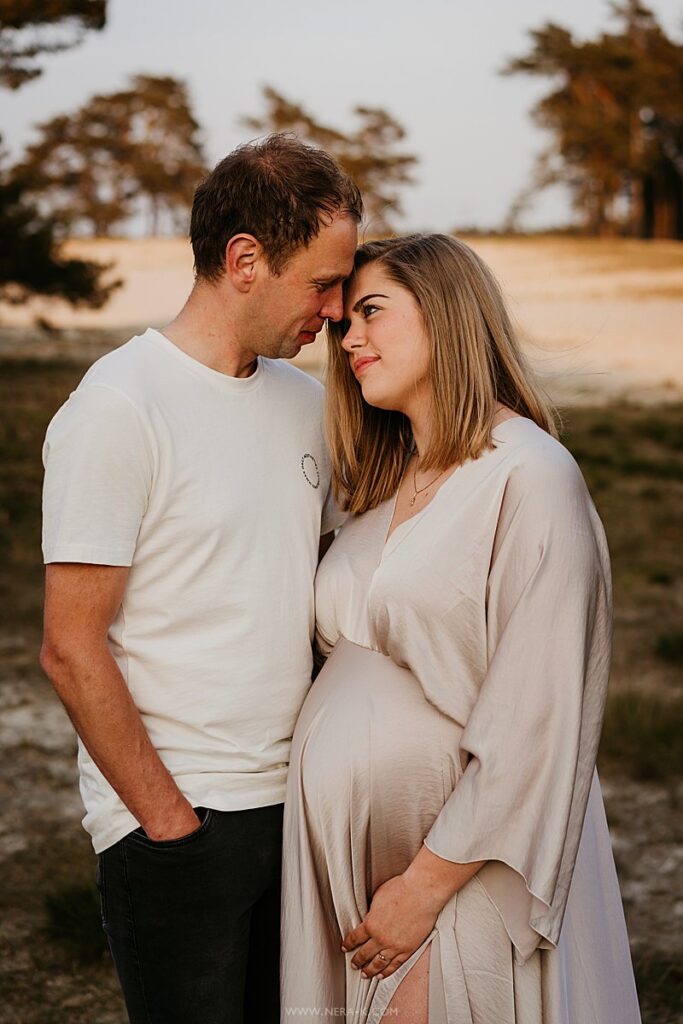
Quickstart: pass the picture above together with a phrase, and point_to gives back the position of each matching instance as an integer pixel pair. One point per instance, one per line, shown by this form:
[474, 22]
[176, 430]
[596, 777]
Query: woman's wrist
[438, 879]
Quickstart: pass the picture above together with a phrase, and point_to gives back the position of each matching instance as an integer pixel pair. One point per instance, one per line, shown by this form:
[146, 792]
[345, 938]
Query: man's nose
[333, 306]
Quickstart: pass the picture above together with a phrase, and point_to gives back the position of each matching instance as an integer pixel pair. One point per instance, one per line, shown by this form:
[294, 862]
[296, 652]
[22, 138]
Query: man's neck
[205, 330]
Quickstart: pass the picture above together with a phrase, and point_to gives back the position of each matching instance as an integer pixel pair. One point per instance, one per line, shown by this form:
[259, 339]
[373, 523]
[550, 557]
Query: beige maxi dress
[461, 705]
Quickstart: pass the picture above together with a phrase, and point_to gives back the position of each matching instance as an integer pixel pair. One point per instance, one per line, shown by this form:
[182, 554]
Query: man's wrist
[171, 822]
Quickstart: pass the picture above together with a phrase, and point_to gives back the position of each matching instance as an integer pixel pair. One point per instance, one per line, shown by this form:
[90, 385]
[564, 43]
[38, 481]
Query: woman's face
[386, 341]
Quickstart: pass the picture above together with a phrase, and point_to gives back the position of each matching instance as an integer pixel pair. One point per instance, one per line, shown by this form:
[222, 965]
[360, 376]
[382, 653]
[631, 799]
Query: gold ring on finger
[381, 956]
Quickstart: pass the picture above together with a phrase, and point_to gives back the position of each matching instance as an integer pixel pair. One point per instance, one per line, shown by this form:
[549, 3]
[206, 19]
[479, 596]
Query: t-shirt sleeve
[332, 515]
[98, 474]
[532, 736]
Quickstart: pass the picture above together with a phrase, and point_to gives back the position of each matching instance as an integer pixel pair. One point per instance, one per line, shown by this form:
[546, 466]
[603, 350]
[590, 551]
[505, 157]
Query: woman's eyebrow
[372, 295]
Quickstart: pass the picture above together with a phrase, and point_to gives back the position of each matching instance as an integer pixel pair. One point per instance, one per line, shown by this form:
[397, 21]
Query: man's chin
[292, 347]
[291, 350]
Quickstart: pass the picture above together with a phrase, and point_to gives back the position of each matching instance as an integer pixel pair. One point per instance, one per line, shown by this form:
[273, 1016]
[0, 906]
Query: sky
[433, 64]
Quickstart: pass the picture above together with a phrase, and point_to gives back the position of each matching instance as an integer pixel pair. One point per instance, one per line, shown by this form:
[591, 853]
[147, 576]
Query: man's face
[290, 309]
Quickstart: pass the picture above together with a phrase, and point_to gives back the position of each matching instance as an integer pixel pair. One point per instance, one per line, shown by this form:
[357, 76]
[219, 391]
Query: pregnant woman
[447, 858]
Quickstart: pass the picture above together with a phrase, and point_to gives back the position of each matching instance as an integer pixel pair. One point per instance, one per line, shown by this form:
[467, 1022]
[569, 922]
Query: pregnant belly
[372, 760]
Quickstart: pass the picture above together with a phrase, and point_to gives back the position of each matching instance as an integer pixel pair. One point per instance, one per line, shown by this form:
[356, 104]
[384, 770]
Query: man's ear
[243, 253]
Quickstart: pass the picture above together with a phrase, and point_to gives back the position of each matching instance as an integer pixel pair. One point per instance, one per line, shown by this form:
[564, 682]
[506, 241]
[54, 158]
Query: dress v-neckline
[389, 536]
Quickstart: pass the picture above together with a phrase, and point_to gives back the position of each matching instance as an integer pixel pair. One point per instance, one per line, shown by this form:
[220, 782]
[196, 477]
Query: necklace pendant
[412, 500]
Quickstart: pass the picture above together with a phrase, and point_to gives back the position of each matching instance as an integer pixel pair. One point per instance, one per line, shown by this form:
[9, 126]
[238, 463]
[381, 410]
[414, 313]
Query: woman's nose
[354, 337]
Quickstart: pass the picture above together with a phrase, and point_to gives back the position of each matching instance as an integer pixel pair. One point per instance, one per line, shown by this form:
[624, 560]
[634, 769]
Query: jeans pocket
[101, 888]
[205, 815]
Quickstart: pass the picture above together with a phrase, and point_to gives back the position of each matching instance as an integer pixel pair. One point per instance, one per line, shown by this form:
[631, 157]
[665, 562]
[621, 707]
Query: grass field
[52, 952]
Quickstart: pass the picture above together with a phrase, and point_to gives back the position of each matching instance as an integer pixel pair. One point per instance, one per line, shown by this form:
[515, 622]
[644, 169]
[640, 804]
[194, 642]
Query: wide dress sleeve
[531, 739]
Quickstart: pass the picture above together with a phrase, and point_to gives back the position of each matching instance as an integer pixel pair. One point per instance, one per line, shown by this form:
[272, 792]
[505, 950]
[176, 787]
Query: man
[184, 500]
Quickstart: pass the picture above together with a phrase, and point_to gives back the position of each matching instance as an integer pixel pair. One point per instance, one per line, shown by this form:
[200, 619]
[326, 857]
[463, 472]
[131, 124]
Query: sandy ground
[599, 319]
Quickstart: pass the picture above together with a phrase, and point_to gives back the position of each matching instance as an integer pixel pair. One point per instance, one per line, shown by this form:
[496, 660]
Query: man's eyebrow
[329, 281]
[372, 295]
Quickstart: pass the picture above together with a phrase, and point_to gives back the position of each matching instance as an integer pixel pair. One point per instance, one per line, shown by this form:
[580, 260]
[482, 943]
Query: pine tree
[616, 119]
[30, 264]
[30, 259]
[31, 28]
[368, 154]
[120, 153]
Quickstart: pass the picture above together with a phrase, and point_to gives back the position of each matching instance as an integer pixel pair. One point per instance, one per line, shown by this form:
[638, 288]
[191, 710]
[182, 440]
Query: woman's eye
[369, 310]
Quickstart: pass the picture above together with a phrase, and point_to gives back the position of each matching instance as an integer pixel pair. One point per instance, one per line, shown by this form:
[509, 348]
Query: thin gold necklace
[419, 490]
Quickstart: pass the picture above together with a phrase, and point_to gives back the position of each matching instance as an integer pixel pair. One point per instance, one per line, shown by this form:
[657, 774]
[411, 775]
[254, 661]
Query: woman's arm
[403, 912]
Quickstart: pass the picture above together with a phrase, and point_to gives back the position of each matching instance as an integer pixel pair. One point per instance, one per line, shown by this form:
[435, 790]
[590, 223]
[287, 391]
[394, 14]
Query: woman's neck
[421, 425]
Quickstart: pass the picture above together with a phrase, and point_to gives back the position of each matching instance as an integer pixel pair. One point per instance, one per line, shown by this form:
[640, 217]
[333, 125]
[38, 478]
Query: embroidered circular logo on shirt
[309, 468]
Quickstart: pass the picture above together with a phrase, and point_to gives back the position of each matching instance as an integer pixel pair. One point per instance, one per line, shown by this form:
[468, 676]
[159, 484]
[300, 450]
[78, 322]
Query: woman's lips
[362, 364]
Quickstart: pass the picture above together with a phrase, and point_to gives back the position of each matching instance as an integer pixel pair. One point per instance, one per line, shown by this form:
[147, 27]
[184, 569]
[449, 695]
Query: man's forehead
[332, 266]
[335, 240]
[333, 273]
[328, 258]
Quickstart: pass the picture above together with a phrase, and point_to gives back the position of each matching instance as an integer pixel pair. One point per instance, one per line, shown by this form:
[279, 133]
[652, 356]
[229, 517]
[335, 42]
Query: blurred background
[550, 137]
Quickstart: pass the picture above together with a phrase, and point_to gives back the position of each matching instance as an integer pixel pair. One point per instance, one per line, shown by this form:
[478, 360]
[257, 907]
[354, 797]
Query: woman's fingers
[355, 938]
[375, 959]
[394, 965]
[380, 963]
[366, 953]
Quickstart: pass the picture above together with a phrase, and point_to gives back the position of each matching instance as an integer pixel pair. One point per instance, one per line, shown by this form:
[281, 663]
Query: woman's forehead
[370, 277]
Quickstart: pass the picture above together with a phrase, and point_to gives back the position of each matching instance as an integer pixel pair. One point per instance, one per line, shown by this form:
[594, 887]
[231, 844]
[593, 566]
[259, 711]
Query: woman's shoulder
[536, 463]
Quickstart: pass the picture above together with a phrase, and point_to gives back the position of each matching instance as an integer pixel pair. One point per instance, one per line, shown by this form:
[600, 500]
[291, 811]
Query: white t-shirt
[214, 490]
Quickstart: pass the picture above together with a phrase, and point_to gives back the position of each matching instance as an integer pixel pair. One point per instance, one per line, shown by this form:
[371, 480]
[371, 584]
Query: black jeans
[194, 923]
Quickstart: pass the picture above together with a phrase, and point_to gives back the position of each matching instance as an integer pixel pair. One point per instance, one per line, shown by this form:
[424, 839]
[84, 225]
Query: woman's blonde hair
[475, 362]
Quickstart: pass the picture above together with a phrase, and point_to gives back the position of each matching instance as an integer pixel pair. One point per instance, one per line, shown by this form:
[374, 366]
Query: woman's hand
[403, 913]
[398, 922]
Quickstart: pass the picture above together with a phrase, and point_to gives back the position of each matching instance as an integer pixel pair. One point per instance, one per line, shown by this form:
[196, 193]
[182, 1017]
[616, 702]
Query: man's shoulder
[110, 394]
[290, 379]
[124, 368]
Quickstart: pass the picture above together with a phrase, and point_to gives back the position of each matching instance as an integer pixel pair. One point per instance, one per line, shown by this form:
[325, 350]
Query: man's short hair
[279, 190]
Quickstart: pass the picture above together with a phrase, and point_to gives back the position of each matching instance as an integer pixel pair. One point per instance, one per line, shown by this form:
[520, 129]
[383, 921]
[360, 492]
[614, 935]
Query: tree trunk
[647, 229]
[668, 203]
[154, 216]
[637, 207]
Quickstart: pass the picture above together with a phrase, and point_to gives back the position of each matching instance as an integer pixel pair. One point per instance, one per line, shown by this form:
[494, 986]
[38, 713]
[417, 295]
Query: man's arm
[81, 601]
